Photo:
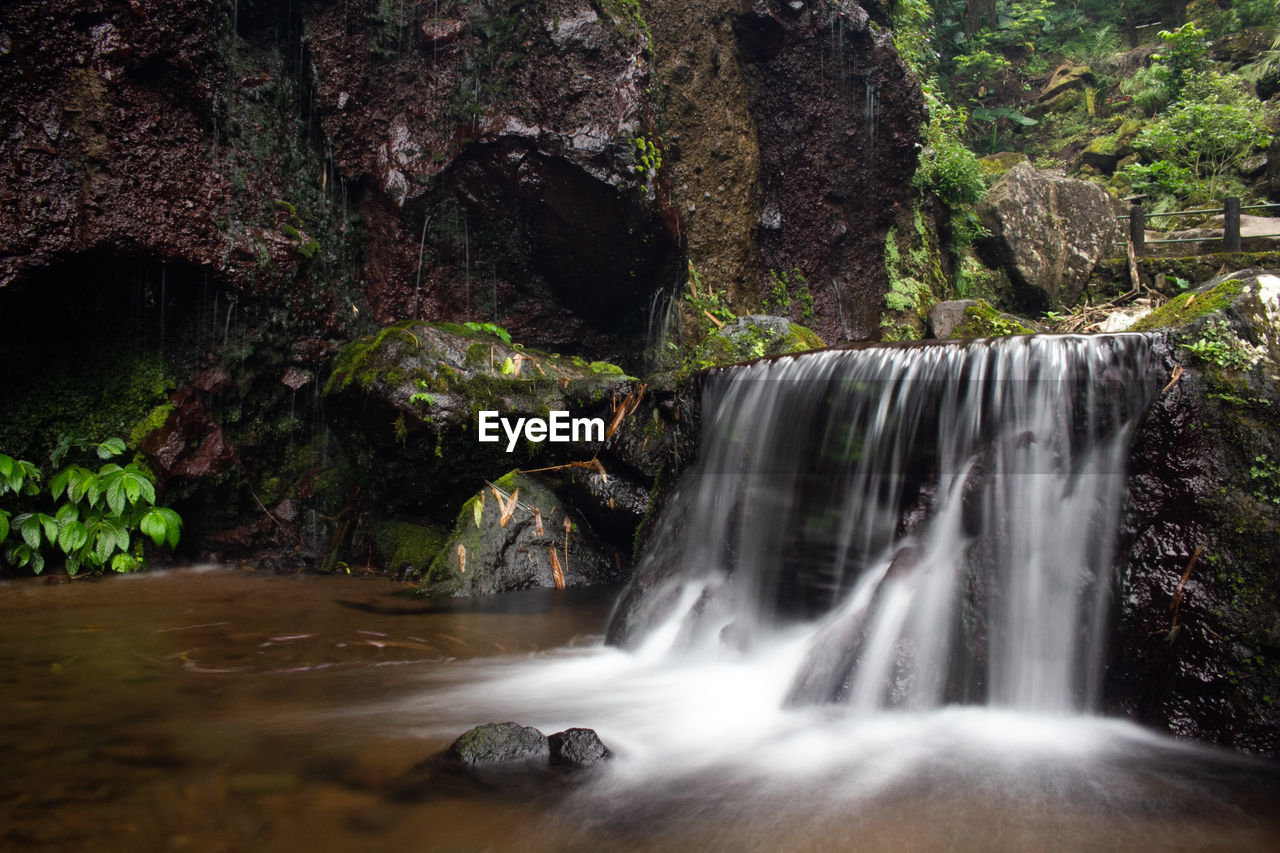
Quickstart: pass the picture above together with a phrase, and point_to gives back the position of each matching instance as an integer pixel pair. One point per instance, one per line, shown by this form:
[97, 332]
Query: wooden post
[1137, 228]
[1231, 225]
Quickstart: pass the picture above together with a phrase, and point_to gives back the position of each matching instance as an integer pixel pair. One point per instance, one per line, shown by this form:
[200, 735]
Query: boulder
[994, 166]
[1066, 77]
[578, 748]
[974, 318]
[502, 147]
[500, 743]
[1198, 652]
[1047, 232]
[747, 338]
[1242, 46]
[519, 534]
[405, 405]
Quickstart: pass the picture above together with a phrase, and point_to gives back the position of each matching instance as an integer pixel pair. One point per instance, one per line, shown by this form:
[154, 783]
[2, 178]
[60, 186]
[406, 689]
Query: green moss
[406, 545]
[1182, 309]
[152, 422]
[746, 339]
[984, 321]
[604, 368]
[995, 165]
[357, 361]
[91, 391]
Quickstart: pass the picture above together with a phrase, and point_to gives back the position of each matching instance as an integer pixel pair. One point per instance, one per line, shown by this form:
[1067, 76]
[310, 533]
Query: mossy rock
[405, 405]
[975, 318]
[1202, 526]
[748, 338]
[484, 555]
[995, 165]
[406, 546]
[1249, 299]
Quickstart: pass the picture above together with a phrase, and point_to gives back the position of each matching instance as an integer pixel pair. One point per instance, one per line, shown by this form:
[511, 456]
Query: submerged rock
[1047, 232]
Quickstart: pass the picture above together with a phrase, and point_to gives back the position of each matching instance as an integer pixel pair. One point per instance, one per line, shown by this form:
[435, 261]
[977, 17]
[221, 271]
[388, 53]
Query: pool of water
[214, 709]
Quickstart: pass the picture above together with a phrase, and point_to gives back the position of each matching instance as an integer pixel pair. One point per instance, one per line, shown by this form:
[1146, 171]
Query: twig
[1177, 595]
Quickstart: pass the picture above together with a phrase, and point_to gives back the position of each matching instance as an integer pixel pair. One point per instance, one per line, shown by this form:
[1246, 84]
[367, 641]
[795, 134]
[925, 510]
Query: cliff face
[540, 164]
[108, 114]
[238, 187]
[792, 131]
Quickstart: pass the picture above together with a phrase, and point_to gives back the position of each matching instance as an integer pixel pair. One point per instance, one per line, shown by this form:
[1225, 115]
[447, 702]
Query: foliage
[89, 516]
[995, 116]
[1219, 345]
[490, 329]
[1159, 179]
[1257, 13]
[1150, 89]
[1207, 137]
[648, 158]
[974, 69]
[778, 299]
[1265, 474]
[423, 394]
[706, 301]
[947, 168]
[913, 35]
[1183, 53]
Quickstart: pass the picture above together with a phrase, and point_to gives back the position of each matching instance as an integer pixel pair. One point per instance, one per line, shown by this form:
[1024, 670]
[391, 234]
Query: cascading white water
[922, 534]
[946, 511]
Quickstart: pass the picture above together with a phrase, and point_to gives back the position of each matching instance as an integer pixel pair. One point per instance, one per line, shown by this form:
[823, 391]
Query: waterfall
[936, 520]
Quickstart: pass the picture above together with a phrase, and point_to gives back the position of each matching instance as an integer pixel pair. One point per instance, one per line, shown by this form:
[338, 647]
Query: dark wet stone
[500, 743]
[1198, 648]
[578, 748]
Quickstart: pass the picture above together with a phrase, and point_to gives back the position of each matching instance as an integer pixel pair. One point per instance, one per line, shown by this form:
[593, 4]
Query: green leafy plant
[1206, 138]
[89, 516]
[994, 117]
[1265, 474]
[423, 394]
[1183, 52]
[1219, 345]
[648, 159]
[708, 302]
[490, 329]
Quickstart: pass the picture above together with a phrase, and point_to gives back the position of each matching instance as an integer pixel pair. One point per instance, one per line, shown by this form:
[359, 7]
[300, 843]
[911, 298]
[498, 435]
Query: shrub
[89, 516]
[1206, 138]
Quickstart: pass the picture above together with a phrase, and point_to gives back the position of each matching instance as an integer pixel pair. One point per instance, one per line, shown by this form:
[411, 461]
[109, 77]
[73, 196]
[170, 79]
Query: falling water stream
[873, 616]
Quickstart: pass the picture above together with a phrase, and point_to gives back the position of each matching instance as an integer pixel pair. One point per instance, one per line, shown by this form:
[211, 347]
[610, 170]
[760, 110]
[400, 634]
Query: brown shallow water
[225, 710]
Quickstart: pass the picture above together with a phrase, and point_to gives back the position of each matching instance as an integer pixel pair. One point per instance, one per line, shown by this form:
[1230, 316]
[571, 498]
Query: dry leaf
[497, 496]
[462, 557]
[508, 509]
[517, 363]
[537, 521]
[477, 509]
[617, 420]
[712, 318]
[599, 468]
[567, 528]
[556, 572]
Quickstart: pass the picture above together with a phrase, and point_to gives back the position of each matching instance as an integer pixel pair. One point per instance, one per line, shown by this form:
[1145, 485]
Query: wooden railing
[1230, 211]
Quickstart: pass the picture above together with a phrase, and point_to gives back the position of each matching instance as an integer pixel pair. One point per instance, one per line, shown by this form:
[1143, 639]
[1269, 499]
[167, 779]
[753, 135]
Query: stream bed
[213, 709]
